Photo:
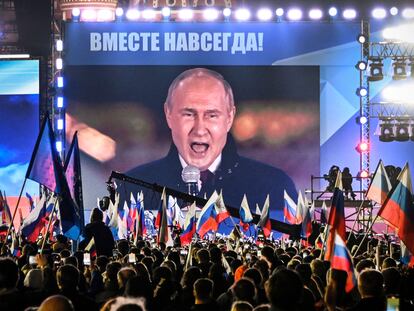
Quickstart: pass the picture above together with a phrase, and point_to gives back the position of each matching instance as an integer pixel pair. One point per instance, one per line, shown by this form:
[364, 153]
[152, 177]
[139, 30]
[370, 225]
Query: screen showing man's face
[199, 116]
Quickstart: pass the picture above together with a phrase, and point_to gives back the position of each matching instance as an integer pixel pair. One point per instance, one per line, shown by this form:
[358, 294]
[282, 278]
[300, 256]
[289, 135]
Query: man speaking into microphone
[200, 110]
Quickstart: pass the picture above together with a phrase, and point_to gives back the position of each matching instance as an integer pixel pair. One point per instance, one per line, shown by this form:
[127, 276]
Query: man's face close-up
[199, 117]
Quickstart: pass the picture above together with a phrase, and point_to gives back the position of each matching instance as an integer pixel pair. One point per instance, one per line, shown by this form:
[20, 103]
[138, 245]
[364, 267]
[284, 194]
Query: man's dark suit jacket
[236, 176]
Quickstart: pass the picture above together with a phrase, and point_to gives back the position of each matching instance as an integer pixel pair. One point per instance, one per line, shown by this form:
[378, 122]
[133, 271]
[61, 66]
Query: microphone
[190, 176]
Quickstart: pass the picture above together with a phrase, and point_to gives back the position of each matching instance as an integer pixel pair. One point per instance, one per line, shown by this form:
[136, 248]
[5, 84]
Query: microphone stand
[233, 211]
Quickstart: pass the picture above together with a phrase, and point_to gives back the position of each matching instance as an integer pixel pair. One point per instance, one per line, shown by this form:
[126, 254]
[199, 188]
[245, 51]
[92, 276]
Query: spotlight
[363, 174]
[387, 131]
[166, 12]
[59, 45]
[333, 11]
[59, 124]
[315, 14]
[226, 12]
[361, 38]
[59, 146]
[294, 14]
[264, 14]
[379, 13]
[119, 12]
[133, 14]
[361, 65]
[59, 102]
[279, 12]
[362, 120]
[59, 63]
[148, 14]
[400, 71]
[242, 14]
[401, 132]
[362, 92]
[408, 13]
[375, 70]
[88, 15]
[76, 12]
[349, 14]
[362, 147]
[185, 14]
[210, 14]
[59, 81]
[393, 11]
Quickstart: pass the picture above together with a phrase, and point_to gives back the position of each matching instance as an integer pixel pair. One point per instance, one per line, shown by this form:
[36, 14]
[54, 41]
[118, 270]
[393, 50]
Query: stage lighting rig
[375, 70]
[402, 131]
[399, 66]
[387, 131]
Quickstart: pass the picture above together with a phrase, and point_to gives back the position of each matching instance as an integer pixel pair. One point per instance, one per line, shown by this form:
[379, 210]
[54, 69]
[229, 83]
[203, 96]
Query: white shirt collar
[212, 168]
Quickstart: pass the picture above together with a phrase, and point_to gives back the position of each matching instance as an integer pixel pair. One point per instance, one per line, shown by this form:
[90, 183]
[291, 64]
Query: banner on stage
[124, 43]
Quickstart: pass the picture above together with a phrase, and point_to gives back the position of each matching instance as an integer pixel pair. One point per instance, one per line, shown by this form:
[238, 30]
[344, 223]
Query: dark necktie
[206, 177]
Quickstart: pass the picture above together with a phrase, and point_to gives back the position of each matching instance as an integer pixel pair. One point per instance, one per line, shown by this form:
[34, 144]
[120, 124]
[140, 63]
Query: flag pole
[15, 210]
[356, 219]
[366, 234]
[48, 226]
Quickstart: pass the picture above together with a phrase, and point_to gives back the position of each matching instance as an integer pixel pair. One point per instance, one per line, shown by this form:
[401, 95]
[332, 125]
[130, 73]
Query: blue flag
[74, 177]
[45, 168]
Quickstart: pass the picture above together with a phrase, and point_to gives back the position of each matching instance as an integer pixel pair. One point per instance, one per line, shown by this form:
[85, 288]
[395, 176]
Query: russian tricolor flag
[245, 215]
[380, 185]
[342, 260]
[189, 226]
[221, 211]
[290, 209]
[264, 221]
[398, 208]
[35, 221]
[141, 228]
[207, 220]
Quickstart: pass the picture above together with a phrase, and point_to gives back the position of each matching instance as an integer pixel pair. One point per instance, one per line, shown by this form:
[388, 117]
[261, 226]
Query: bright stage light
[59, 124]
[59, 146]
[361, 65]
[59, 81]
[166, 12]
[242, 14]
[59, 45]
[408, 13]
[186, 14]
[226, 12]
[399, 93]
[105, 15]
[349, 14]
[362, 147]
[148, 14]
[88, 15]
[400, 33]
[280, 12]
[119, 12]
[379, 13]
[315, 14]
[363, 174]
[394, 11]
[264, 14]
[59, 102]
[294, 14]
[362, 92]
[59, 63]
[361, 38]
[133, 14]
[333, 11]
[76, 12]
[363, 120]
[210, 14]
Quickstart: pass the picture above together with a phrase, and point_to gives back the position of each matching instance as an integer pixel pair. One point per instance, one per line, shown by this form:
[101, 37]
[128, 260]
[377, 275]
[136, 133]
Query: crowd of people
[218, 275]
